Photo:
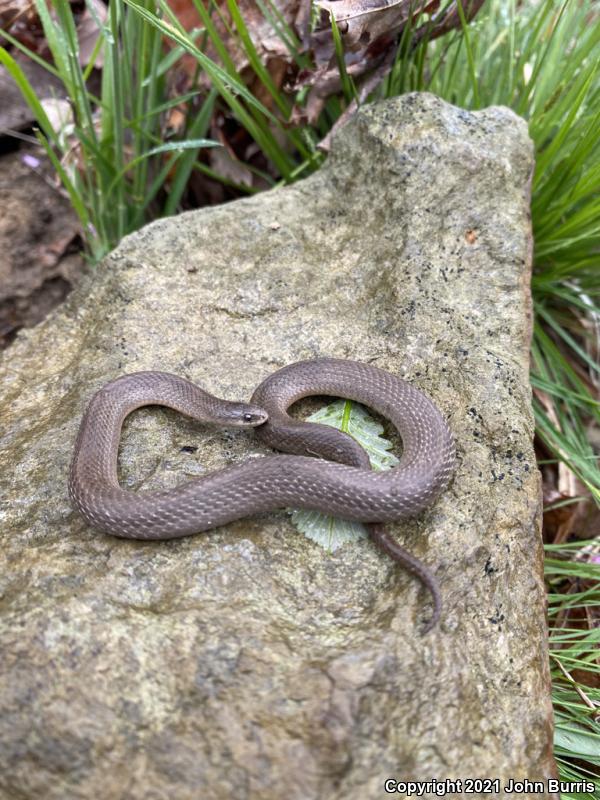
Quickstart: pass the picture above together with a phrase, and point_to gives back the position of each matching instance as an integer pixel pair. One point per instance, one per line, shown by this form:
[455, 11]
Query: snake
[320, 468]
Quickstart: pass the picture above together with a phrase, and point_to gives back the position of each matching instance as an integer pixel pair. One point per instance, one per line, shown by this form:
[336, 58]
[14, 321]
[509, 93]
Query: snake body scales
[328, 471]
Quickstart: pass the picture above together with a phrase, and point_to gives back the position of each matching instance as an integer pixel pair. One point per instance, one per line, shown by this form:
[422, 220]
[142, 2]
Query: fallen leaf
[88, 30]
[370, 32]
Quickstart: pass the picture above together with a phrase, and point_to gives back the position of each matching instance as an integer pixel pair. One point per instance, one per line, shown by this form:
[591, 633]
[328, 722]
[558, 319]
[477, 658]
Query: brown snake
[347, 489]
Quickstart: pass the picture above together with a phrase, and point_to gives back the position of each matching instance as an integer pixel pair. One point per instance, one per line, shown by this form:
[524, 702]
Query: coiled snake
[342, 485]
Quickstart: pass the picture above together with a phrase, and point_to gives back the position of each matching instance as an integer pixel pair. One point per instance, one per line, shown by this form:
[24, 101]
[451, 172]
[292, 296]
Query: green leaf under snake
[332, 532]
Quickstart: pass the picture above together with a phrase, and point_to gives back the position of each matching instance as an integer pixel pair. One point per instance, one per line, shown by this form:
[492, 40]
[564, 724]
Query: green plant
[113, 160]
[574, 647]
[284, 146]
[332, 532]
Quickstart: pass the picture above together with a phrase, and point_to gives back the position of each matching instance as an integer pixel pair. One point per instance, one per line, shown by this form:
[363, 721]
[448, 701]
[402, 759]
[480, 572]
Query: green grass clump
[114, 161]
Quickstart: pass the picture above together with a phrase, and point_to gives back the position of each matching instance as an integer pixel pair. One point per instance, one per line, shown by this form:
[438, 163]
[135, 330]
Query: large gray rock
[248, 662]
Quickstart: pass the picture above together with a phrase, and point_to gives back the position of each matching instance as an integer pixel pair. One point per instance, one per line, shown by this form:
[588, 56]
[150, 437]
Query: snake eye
[248, 417]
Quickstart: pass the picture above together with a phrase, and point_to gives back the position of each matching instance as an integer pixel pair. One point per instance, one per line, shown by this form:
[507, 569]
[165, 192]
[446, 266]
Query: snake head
[243, 415]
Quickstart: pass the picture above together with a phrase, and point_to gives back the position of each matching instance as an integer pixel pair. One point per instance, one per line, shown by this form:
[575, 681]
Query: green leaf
[576, 741]
[178, 147]
[331, 532]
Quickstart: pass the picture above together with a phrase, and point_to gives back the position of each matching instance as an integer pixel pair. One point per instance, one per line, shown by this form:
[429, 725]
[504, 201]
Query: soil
[39, 241]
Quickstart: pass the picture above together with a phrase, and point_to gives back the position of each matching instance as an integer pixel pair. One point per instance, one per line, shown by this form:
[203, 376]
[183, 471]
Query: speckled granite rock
[247, 662]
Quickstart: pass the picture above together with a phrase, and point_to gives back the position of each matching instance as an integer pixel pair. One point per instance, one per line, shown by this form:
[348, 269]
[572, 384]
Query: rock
[248, 662]
[39, 262]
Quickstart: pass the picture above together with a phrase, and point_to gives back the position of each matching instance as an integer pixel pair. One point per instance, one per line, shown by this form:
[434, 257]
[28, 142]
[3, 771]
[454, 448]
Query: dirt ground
[39, 241]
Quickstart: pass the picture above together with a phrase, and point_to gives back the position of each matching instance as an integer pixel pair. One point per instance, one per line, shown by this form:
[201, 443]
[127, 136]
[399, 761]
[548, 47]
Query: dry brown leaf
[88, 32]
[271, 50]
[370, 32]
[11, 11]
[224, 161]
[579, 519]
[20, 19]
